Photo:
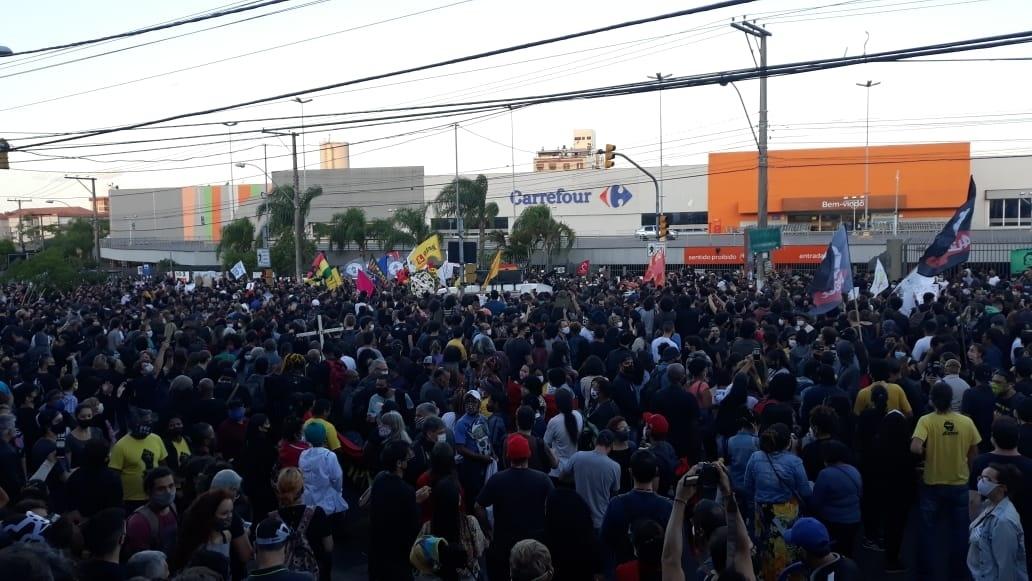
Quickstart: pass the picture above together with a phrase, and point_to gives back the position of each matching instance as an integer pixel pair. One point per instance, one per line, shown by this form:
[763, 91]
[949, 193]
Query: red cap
[517, 448]
[657, 423]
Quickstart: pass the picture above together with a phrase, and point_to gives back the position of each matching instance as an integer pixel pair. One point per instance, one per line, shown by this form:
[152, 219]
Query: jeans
[949, 501]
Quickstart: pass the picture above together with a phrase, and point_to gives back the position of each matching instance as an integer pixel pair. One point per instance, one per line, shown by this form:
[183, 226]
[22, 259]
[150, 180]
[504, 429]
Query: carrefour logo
[615, 196]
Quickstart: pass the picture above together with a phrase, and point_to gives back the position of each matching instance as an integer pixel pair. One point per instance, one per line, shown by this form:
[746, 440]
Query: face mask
[141, 432]
[100, 409]
[985, 488]
[236, 414]
[900, 354]
[383, 431]
[175, 433]
[164, 499]
[622, 435]
[147, 369]
[59, 427]
[998, 387]
[442, 437]
[792, 343]
[781, 322]
[566, 330]
[150, 334]
[223, 524]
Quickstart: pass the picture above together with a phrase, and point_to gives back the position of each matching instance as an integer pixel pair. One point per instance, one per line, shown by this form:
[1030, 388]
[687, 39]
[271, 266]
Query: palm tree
[537, 228]
[413, 224]
[347, 228]
[385, 232]
[279, 207]
[476, 211]
[237, 243]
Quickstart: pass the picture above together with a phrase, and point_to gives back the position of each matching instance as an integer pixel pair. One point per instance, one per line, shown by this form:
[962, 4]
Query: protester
[996, 550]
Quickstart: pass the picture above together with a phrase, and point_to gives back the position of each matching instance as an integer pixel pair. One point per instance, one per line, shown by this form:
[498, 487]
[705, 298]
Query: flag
[364, 284]
[238, 270]
[493, 271]
[880, 282]
[584, 268]
[834, 275]
[656, 271]
[375, 274]
[951, 246]
[320, 267]
[334, 280]
[394, 264]
[402, 275]
[319, 258]
[429, 248]
[382, 264]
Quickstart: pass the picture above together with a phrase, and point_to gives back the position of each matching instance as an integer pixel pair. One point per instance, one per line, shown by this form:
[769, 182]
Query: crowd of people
[604, 430]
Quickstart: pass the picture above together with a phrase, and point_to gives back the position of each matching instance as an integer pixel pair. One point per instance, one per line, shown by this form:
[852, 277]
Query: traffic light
[610, 156]
[662, 227]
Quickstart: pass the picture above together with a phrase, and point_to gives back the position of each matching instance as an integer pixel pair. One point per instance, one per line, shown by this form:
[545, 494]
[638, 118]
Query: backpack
[255, 386]
[151, 517]
[298, 553]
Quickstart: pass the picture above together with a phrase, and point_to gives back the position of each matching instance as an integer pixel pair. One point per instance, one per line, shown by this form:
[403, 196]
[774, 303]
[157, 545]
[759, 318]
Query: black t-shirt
[517, 495]
[517, 350]
[91, 490]
[1007, 406]
[393, 526]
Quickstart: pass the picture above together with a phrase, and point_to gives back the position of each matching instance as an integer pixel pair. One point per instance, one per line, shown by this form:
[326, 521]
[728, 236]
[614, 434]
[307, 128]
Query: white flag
[880, 281]
[238, 270]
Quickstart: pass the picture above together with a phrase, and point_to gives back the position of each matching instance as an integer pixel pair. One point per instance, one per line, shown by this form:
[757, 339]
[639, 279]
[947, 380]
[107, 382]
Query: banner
[493, 271]
[834, 276]
[735, 255]
[880, 282]
[584, 268]
[1021, 260]
[364, 284]
[352, 268]
[374, 272]
[428, 249]
[391, 264]
[953, 245]
[334, 281]
[656, 271]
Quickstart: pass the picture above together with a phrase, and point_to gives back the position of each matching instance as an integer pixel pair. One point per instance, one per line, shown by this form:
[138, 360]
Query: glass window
[996, 212]
[551, 166]
[1010, 213]
[566, 166]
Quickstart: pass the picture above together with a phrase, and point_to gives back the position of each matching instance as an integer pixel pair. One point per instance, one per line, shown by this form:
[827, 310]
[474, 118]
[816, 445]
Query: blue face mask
[236, 414]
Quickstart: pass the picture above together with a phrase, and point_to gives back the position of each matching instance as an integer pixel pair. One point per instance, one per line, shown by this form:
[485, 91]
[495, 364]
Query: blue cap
[809, 534]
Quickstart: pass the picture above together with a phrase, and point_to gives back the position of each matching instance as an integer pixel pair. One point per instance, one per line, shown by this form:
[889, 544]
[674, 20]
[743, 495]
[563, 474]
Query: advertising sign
[1021, 260]
[735, 255]
[614, 196]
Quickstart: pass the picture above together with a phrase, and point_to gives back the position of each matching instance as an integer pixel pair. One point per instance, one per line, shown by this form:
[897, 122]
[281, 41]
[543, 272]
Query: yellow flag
[493, 271]
[334, 280]
[429, 248]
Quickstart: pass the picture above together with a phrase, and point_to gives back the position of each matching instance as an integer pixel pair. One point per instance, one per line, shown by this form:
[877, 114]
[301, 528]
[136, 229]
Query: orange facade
[735, 255]
[933, 182]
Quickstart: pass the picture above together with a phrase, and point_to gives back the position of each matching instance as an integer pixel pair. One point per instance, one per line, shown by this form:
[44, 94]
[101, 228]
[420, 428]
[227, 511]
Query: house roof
[59, 211]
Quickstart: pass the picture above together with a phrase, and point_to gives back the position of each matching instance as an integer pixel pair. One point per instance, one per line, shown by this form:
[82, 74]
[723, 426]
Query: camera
[709, 474]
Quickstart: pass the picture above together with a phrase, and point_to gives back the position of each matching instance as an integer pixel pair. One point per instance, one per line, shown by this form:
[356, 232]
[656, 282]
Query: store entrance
[817, 222]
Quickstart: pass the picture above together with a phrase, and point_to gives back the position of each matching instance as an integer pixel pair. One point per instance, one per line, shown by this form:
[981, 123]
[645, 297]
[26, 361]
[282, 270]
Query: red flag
[584, 268]
[365, 284]
[656, 271]
[402, 276]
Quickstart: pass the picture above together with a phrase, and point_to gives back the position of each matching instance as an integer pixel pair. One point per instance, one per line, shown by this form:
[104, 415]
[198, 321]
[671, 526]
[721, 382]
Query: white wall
[1005, 173]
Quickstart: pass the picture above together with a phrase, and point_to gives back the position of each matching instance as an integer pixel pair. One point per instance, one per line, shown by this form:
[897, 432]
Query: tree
[7, 247]
[282, 254]
[537, 228]
[237, 244]
[413, 224]
[278, 206]
[348, 228]
[385, 232]
[475, 210]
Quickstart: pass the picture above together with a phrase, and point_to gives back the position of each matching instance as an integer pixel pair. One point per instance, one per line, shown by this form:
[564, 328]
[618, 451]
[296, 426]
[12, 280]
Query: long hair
[447, 520]
[290, 484]
[197, 525]
[564, 401]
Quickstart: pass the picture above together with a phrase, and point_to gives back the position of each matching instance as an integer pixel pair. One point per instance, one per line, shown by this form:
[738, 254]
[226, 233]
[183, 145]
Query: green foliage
[536, 228]
[475, 210]
[278, 207]
[237, 244]
[386, 233]
[49, 269]
[412, 225]
[282, 255]
[7, 247]
[348, 228]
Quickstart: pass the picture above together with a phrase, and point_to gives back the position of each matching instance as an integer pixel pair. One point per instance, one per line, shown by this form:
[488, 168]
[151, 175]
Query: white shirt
[324, 480]
[558, 440]
[921, 347]
[660, 341]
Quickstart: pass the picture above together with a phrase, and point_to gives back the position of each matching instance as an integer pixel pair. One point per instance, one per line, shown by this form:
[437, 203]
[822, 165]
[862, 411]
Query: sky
[312, 43]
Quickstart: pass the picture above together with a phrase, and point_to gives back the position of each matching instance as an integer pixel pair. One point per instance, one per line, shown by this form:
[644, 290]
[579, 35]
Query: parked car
[646, 232]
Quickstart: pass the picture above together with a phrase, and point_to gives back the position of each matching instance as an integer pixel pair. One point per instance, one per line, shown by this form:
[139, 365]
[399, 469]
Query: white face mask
[792, 343]
[442, 437]
[566, 330]
[985, 488]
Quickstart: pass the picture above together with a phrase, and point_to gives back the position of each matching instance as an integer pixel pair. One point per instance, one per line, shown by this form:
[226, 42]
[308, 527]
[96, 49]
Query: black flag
[951, 246]
[833, 277]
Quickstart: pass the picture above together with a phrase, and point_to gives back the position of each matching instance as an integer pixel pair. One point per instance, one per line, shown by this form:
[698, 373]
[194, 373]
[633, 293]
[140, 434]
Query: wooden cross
[320, 332]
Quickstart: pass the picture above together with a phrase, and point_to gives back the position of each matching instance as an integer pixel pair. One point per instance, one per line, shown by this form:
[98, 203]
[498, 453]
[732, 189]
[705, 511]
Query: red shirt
[290, 453]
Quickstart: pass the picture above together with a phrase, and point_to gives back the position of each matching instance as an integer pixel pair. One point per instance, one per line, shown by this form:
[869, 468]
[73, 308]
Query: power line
[139, 31]
[438, 64]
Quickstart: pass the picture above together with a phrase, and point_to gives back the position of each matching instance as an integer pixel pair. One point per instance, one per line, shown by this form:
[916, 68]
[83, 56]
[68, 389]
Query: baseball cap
[809, 534]
[271, 532]
[474, 394]
[657, 423]
[517, 448]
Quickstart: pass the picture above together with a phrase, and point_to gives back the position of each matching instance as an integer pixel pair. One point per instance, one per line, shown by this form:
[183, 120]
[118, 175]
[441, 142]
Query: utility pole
[867, 150]
[659, 78]
[21, 220]
[96, 222]
[458, 202]
[752, 29]
[297, 203]
[304, 143]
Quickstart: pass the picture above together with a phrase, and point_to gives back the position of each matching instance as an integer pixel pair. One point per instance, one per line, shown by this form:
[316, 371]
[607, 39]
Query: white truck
[647, 232]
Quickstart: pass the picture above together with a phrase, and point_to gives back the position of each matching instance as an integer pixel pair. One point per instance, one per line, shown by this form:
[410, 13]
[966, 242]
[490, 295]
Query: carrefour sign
[614, 196]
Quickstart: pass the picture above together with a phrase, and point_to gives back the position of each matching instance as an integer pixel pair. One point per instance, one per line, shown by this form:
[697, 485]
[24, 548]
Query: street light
[867, 144]
[232, 188]
[60, 202]
[659, 78]
[304, 152]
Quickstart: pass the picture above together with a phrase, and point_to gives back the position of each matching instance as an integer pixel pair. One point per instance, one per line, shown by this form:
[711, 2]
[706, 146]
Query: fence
[984, 256]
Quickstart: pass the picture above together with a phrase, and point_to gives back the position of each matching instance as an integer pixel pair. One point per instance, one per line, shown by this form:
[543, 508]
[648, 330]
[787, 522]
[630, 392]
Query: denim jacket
[997, 545]
[769, 487]
[740, 448]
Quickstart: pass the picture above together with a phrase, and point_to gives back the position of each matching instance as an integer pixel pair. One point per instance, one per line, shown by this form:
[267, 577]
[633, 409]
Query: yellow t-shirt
[457, 342]
[947, 438]
[897, 398]
[183, 452]
[332, 441]
[132, 459]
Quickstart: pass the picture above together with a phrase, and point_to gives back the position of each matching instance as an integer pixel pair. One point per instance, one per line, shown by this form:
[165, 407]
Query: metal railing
[158, 244]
